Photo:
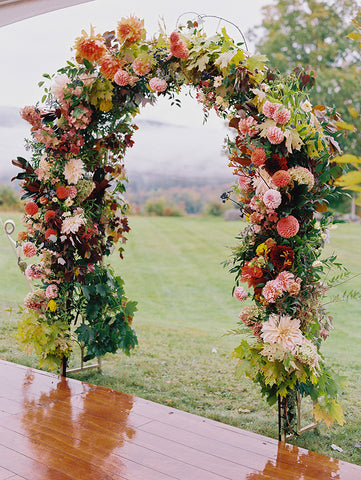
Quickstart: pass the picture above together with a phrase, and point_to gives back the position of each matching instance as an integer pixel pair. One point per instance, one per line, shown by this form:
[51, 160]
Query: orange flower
[61, 192]
[91, 47]
[22, 236]
[109, 66]
[31, 208]
[130, 29]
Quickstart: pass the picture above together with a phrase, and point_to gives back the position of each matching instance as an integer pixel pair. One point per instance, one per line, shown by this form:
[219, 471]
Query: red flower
[250, 272]
[49, 232]
[31, 208]
[275, 163]
[282, 257]
[61, 192]
[49, 214]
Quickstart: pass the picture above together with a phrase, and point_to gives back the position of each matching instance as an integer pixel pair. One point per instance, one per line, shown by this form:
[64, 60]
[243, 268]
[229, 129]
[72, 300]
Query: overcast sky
[42, 45]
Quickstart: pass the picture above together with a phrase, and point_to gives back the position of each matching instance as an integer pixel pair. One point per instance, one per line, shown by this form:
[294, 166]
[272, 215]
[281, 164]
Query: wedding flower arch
[75, 211]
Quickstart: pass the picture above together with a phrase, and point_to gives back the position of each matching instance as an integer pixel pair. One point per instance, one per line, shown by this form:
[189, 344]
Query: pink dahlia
[51, 291]
[157, 84]
[248, 126]
[281, 178]
[31, 208]
[180, 50]
[272, 198]
[288, 227]
[34, 271]
[270, 108]
[282, 116]
[29, 249]
[72, 192]
[256, 217]
[122, 78]
[240, 294]
[294, 288]
[174, 37]
[271, 291]
[31, 115]
[141, 67]
[258, 156]
[35, 300]
[130, 29]
[247, 314]
[284, 280]
[275, 135]
[244, 182]
[178, 47]
[284, 330]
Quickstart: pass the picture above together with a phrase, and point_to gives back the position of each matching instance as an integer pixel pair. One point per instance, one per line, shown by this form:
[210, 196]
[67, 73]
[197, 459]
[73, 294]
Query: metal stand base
[64, 370]
[284, 434]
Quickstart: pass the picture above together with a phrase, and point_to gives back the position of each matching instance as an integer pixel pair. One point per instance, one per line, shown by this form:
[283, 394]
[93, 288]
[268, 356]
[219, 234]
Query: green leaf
[88, 65]
[256, 62]
[86, 291]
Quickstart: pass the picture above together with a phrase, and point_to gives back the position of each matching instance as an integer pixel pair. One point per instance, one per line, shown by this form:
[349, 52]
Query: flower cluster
[281, 157]
[74, 185]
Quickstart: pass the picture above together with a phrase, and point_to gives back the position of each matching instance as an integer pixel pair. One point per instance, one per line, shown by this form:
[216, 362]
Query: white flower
[60, 83]
[218, 81]
[284, 330]
[306, 106]
[307, 353]
[317, 263]
[74, 170]
[72, 224]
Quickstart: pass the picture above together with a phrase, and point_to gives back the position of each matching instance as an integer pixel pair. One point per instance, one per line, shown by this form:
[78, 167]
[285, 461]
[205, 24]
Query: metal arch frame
[221, 19]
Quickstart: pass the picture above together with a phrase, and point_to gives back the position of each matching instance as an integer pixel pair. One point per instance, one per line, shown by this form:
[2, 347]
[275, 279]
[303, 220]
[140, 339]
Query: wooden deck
[52, 428]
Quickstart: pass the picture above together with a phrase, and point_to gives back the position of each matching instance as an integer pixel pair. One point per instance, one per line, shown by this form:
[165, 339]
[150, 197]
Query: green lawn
[173, 269]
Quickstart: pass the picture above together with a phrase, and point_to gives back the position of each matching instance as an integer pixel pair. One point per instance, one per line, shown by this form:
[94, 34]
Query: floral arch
[75, 212]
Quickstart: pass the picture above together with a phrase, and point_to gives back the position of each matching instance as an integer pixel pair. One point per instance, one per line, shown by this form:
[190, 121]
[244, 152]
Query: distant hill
[161, 148]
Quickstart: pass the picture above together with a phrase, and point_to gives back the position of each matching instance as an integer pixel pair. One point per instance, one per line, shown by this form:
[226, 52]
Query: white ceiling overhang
[12, 11]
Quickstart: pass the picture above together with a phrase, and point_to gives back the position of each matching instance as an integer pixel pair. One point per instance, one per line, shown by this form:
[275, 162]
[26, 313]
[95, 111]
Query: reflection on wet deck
[52, 428]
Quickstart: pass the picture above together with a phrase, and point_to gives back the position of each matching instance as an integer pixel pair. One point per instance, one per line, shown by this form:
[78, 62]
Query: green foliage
[215, 209]
[108, 314]
[160, 207]
[182, 316]
[9, 198]
[49, 340]
[313, 34]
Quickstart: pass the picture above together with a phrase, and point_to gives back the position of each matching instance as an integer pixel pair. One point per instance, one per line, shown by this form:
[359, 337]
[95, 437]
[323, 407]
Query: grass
[173, 268]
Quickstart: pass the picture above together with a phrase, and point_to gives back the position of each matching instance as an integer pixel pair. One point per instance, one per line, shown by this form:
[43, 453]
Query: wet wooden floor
[52, 428]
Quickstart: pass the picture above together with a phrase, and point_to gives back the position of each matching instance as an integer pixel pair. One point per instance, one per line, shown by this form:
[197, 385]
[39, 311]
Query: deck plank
[52, 428]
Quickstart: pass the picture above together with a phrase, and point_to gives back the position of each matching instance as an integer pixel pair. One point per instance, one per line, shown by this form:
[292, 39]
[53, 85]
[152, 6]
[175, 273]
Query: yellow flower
[53, 307]
[262, 250]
